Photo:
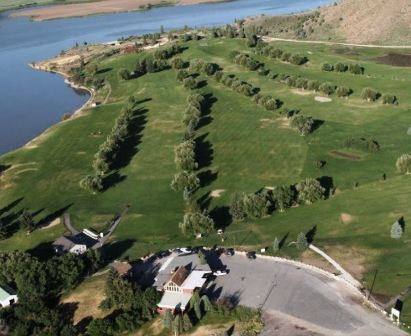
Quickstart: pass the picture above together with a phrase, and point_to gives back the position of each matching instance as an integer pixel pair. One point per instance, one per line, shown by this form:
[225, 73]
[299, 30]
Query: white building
[7, 297]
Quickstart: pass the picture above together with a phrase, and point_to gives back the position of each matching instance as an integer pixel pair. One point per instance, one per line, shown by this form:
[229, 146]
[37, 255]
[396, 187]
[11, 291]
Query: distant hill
[352, 21]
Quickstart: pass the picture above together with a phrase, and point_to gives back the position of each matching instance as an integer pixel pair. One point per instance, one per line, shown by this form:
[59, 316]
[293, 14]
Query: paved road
[68, 225]
[307, 299]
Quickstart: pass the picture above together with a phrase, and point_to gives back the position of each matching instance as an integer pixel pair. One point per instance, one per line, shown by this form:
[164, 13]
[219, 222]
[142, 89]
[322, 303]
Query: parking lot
[309, 299]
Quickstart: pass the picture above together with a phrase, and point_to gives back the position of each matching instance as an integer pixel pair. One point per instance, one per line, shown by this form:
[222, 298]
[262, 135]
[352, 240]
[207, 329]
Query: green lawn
[243, 148]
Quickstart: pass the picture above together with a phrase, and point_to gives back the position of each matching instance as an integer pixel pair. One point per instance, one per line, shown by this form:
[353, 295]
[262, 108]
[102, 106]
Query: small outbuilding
[8, 296]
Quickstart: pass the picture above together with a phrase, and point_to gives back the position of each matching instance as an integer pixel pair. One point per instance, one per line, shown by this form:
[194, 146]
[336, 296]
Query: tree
[303, 124]
[327, 67]
[3, 230]
[190, 83]
[167, 319]
[252, 40]
[92, 183]
[119, 291]
[283, 197]
[327, 88]
[177, 325]
[389, 99]
[185, 181]
[313, 85]
[309, 191]
[369, 94]
[237, 210]
[187, 324]
[403, 164]
[341, 67]
[124, 74]
[276, 245]
[177, 63]
[255, 205]
[206, 303]
[184, 156]
[298, 59]
[100, 327]
[396, 230]
[196, 222]
[356, 69]
[343, 91]
[301, 242]
[26, 221]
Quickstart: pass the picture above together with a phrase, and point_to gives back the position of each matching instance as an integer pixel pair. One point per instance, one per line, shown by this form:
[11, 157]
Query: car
[220, 231]
[220, 273]
[229, 252]
[183, 250]
[251, 255]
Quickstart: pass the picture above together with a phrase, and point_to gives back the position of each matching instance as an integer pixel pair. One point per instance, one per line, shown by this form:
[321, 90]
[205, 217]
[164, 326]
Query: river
[31, 101]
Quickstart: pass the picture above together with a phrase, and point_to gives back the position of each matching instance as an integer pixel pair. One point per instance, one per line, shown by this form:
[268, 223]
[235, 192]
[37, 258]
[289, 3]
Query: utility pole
[373, 283]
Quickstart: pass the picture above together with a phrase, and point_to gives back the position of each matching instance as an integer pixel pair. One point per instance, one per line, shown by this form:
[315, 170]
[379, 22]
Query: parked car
[183, 251]
[220, 273]
[220, 231]
[251, 255]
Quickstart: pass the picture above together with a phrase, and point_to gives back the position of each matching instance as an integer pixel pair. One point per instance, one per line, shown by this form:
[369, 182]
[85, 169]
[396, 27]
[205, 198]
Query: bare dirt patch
[346, 218]
[265, 122]
[301, 92]
[345, 155]
[400, 60]
[217, 193]
[323, 99]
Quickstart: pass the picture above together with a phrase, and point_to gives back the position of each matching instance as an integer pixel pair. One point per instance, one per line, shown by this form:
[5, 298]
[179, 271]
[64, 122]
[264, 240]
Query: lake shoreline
[79, 10]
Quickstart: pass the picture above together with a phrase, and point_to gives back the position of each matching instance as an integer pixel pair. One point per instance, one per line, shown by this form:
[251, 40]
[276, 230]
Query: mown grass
[243, 148]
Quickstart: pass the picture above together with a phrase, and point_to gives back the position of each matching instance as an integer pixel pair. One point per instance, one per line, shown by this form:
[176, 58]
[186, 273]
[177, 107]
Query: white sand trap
[55, 222]
[323, 99]
[217, 193]
[269, 188]
[346, 218]
[301, 92]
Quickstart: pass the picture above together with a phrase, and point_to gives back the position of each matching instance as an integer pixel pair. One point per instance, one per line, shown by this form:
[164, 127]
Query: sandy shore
[99, 7]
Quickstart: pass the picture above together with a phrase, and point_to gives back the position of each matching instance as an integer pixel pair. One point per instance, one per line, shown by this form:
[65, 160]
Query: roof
[5, 293]
[173, 300]
[67, 242]
[195, 280]
[179, 276]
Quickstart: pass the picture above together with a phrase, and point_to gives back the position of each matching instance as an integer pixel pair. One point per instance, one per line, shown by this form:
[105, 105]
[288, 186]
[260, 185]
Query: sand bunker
[217, 193]
[323, 99]
[346, 218]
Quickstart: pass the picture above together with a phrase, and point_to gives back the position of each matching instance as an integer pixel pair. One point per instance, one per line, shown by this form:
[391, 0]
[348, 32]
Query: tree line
[355, 69]
[266, 50]
[257, 205]
[105, 158]
[39, 285]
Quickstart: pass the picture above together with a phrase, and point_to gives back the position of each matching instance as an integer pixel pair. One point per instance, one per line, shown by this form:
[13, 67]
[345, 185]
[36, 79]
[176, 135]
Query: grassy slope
[246, 152]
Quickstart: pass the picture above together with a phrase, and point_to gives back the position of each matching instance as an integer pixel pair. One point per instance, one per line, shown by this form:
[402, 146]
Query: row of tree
[370, 94]
[105, 158]
[246, 60]
[39, 285]
[366, 144]
[355, 69]
[258, 205]
[166, 53]
[270, 51]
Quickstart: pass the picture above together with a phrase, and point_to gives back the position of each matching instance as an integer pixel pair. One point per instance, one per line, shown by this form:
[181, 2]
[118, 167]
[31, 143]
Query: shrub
[327, 67]
[124, 74]
[341, 67]
[190, 83]
[369, 94]
[182, 74]
[285, 57]
[301, 243]
[313, 85]
[301, 83]
[178, 63]
[396, 230]
[403, 164]
[343, 91]
[303, 124]
[356, 69]
[298, 59]
[309, 191]
[389, 99]
[327, 88]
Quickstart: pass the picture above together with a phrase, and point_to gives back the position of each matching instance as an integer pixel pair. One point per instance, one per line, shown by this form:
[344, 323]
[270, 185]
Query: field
[242, 147]
[16, 4]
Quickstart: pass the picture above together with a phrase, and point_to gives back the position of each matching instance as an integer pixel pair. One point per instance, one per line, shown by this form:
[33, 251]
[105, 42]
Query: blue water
[31, 101]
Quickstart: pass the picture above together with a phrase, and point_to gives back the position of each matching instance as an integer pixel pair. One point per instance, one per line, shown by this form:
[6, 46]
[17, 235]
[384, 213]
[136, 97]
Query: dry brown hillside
[354, 21]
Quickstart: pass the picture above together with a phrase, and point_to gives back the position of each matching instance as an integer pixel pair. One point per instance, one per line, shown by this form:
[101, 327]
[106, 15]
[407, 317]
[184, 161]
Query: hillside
[352, 21]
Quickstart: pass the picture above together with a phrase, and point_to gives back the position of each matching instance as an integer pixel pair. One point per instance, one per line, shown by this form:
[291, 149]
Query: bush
[182, 74]
[313, 85]
[369, 94]
[356, 69]
[396, 230]
[190, 83]
[124, 74]
[303, 124]
[327, 67]
[341, 67]
[389, 99]
[343, 91]
[298, 59]
[403, 164]
[327, 88]
[178, 63]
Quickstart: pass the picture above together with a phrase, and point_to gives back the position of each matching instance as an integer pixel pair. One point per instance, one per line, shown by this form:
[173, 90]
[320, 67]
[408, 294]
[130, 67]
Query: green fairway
[242, 148]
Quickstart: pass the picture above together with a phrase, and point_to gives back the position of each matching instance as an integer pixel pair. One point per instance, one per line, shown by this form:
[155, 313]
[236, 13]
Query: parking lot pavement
[320, 303]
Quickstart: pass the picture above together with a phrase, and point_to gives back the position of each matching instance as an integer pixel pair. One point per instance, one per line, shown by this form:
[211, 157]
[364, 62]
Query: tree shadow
[4, 167]
[67, 311]
[327, 183]
[83, 324]
[51, 217]
[42, 251]
[311, 234]
[317, 124]
[204, 151]
[206, 118]
[10, 206]
[129, 147]
[204, 201]
[112, 180]
[283, 241]
[401, 221]
[201, 84]
[104, 70]
[207, 177]
[115, 250]
[221, 216]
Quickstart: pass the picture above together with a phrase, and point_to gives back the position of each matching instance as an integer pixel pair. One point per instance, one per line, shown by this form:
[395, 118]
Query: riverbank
[101, 7]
